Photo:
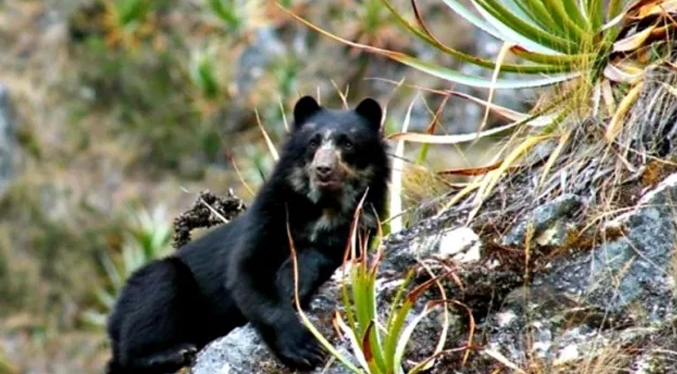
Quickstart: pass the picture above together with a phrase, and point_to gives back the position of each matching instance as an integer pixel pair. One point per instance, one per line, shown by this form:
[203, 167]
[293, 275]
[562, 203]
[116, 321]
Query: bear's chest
[332, 230]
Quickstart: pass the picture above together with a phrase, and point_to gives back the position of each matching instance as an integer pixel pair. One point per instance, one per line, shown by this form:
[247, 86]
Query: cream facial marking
[297, 179]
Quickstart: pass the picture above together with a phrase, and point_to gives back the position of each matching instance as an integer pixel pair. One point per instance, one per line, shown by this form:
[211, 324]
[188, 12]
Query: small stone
[567, 354]
[461, 244]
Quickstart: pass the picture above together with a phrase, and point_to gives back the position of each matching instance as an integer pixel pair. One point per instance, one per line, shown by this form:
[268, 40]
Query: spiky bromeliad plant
[595, 56]
[149, 238]
[377, 345]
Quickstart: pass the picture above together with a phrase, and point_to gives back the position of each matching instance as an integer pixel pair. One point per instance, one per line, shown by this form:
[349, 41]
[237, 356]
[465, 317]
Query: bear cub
[241, 272]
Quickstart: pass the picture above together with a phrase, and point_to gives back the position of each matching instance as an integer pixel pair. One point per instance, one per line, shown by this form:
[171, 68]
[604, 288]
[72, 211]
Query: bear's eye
[347, 144]
[314, 143]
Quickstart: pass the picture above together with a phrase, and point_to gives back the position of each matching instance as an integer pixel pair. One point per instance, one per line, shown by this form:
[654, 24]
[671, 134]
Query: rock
[461, 245]
[243, 352]
[458, 243]
[620, 293]
[8, 140]
[547, 222]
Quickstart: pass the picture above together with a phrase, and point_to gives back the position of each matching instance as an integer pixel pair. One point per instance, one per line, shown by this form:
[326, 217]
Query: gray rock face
[620, 293]
[8, 140]
[549, 218]
[243, 352]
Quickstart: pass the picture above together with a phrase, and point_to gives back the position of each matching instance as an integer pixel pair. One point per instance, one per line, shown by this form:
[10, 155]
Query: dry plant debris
[208, 210]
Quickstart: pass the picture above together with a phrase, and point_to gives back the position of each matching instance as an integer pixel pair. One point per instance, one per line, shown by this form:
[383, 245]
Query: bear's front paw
[297, 348]
[188, 354]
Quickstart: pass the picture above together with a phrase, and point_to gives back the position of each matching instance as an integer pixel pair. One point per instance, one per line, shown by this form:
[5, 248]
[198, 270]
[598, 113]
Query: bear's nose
[323, 170]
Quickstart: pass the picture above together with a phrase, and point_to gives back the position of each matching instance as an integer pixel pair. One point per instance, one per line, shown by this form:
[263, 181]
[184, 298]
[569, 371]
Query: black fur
[242, 272]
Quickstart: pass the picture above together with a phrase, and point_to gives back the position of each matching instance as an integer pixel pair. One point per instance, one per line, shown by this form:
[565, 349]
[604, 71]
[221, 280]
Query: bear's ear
[370, 110]
[304, 108]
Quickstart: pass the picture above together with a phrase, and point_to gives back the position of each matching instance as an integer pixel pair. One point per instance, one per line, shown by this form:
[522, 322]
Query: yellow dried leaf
[623, 108]
[634, 41]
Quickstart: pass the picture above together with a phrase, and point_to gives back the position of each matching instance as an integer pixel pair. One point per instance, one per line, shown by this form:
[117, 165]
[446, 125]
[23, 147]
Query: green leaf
[571, 62]
[450, 74]
[391, 340]
[572, 11]
[105, 298]
[523, 33]
[95, 318]
[355, 344]
[615, 8]
[542, 16]
[225, 11]
[595, 12]
[474, 81]
[501, 32]
[398, 297]
[522, 69]
[406, 335]
[112, 272]
[132, 11]
[569, 13]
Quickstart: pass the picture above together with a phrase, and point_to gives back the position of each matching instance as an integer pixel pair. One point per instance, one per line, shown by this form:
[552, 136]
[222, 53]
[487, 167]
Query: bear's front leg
[314, 269]
[257, 294]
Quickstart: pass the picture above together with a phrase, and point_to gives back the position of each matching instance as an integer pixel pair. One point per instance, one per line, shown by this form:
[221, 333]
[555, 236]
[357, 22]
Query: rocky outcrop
[614, 302]
[605, 306]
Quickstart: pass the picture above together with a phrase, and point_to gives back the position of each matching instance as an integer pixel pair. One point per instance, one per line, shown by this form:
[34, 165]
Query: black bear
[242, 271]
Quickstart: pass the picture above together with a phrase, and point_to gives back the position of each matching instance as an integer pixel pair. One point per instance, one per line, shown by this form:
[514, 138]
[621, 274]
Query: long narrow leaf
[571, 10]
[112, 272]
[499, 60]
[398, 298]
[355, 343]
[500, 34]
[521, 32]
[406, 334]
[563, 141]
[397, 175]
[500, 110]
[540, 14]
[533, 121]
[456, 76]
[426, 36]
[570, 61]
[615, 8]
[594, 10]
[367, 347]
[269, 143]
[623, 107]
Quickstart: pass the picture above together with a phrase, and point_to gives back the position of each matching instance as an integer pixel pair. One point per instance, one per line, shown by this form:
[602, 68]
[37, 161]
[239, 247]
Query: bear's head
[336, 154]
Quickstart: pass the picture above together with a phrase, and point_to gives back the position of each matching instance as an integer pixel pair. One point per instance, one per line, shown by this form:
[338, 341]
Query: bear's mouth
[327, 183]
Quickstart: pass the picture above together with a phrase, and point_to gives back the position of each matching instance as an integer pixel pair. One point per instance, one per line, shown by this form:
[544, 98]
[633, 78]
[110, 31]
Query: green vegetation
[147, 238]
[377, 347]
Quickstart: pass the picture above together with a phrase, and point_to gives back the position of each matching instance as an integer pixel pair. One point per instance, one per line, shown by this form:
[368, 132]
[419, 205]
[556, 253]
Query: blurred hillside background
[115, 114]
